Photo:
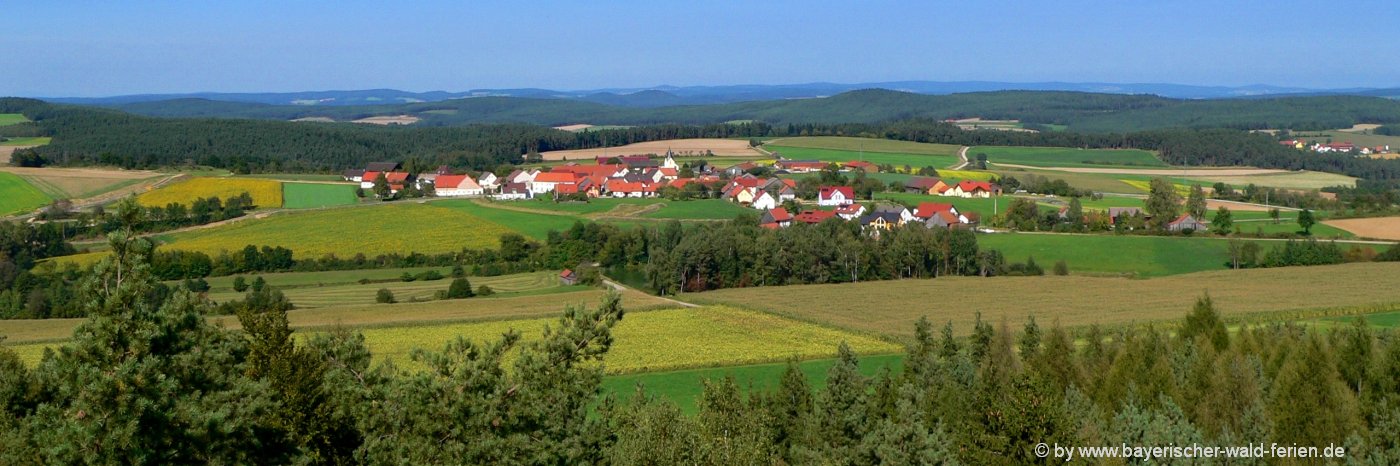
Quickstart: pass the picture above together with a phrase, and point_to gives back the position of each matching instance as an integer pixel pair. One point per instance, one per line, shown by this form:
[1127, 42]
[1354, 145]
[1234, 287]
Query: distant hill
[1094, 112]
[704, 95]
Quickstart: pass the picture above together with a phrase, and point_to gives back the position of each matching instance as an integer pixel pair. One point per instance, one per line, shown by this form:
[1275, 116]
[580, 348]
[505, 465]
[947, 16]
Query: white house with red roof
[547, 181]
[939, 214]
[970, 189]
[836, 196]
[777, 218]
[764, 201]
[456, 186]
[850, 211]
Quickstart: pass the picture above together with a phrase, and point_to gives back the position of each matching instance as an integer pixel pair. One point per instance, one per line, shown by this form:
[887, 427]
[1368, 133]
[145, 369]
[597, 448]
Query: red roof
[927, 210]
[448, 181]
[681, 182]
[780, 214]
[555, 177]
[814, 216]
[863, 165]
[850, 209]
[589, 170]
[804, 164]
[970, 186]
[828, 191]
[669, 172]
[748, 181]
[566, 188]
[370, 176]
[948, 217]
[396, 177]
[620, 186]
[566, 273]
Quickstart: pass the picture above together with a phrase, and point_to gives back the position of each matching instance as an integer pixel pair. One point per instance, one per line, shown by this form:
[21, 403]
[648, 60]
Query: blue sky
[92, 48]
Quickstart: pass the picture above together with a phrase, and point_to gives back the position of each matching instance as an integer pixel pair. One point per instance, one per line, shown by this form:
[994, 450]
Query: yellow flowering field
[391, 228]
[266, 193]
[655, 340]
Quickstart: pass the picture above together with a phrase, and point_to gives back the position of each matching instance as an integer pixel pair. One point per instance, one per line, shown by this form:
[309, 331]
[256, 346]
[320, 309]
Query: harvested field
[1065, 157]
[24, 332]
[681, 147]
[1287, 180]
[866, 144]
[316, 119]
[81, 183]
[571, 128]
[1379, 227]
[892, 307]
[266, 193]
[389, 120]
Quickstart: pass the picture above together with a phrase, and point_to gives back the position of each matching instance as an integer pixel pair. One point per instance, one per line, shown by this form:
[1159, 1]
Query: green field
[899, 160]
[530, 224]
[1381, 319]
[985, 207]
[296, 177]
[7, 119]
[309, 195]
[1145, 256]
[684, 387]
[593, 206]
[1292, 180]
[1064, 157]
[18, 196]
[866, 144]
[391, 228]
[34, 141]
[700, 209]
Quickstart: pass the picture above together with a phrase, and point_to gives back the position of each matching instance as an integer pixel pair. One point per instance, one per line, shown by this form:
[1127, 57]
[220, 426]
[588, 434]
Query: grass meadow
[866, 144]
[347, 294]
[834, 155]
[391, 228]
[19, 196]
[7, 119]
[1065, 157]
[892, 307]
[27, 141]
[266, 193]
[525, 221]
[311, 195]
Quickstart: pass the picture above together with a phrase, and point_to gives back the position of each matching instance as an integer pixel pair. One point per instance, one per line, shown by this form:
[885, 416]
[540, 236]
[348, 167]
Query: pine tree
[841, 410]
[1204, 322]
[460, 288]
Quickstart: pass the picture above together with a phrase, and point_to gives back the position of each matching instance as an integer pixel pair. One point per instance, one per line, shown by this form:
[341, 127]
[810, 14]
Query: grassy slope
[532, 225]
[7, 119]
[308, 195]
[32, 141]
[390, 228]
[1063, 157]
[711, 209]
[896, 159]
[892, 307]
[18, 196]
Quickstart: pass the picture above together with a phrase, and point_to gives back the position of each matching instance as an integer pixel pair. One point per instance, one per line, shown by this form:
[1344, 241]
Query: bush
[430, 276]
[1061, 268]
[240, 284]
[196, 285]
[458, 272]
[384, 296]
[485, 291]
[460, 288]
[407, 277]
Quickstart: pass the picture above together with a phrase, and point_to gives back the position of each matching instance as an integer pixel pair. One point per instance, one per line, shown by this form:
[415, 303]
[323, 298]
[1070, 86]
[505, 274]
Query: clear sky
[97, 48]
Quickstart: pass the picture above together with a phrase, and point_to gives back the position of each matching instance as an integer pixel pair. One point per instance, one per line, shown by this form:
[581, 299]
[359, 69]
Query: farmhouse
[970, 189]
[850, 212]
[1114, 213]
[382, 166]
[925, 185]
[778, 217]
[814, 216]
[353, 175]
[546, 182]
[862, 166]
[622, 188]
[836, 196]
[740, 169]
[455, 186]
[764, 201]
[1186, 222]
[938, 214]
[800, 166]
[396, 180]
[514, 191]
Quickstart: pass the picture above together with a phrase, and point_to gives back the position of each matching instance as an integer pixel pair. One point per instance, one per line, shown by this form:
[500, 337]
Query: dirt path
[962, 155]
[620, 288]
[1161, 171]
[506, 206]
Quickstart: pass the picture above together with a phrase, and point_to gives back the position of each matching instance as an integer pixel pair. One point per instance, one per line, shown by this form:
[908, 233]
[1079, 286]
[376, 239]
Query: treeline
[263, 396]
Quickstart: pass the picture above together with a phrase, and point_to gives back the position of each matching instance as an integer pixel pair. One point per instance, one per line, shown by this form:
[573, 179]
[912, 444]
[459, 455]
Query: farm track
[620, 288]
[505, 206]
[1339, 241]
[962, 155]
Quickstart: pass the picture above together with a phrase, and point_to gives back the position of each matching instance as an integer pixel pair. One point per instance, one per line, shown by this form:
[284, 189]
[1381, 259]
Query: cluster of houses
[879, 218]
[629, 176]
[1335, 147]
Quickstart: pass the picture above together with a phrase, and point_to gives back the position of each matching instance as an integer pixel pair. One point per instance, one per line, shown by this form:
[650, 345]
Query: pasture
[899, 160]
[7, 119]
[700, 209]
[391, 228]
[892, 307]
[308, 297]
[312, 195]
[521, 217]
[18, 196]
[1065, 157]
[866, 144]
[266, 193]
[1143, 256]
[26, 142]
[656, 340]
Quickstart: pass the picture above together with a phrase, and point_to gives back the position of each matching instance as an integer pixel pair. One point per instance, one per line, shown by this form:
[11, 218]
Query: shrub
[485, 291]
[460, 288]
[430, 276]
[384, 296]
[407, 277]
[458, 272]
[240, 284]
[1061, 268]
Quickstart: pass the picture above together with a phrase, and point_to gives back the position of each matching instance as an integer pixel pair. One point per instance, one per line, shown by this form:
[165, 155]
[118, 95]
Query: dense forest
[1080, 111]
[146, 378]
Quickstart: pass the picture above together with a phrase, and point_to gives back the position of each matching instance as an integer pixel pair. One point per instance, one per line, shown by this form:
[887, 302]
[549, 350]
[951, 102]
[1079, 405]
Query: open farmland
[389, 120]
[681, 147]
[1290, 180]
[892, 307]
[1379, 227]
[7, 119]
[865, 144]
[700, 209]
[899, 160]
[657, 340]
[1064, 157]
[310, 195]
[18, 196]
[84, 183]
[522, 219]
[1143, 256]
[392, 228]
[266, 193]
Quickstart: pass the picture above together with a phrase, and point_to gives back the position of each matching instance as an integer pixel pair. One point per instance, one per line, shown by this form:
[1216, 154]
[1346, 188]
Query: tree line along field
[892, 307]
[390, 228]
[343, 294]
[19, 196]
[1066, 157]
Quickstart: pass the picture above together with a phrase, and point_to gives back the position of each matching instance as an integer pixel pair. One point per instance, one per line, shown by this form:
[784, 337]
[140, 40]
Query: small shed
[568, 277]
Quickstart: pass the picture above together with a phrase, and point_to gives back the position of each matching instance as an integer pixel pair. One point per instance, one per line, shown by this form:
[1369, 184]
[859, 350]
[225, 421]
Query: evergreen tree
[240, 284]
[460, 288]
[1204, 322]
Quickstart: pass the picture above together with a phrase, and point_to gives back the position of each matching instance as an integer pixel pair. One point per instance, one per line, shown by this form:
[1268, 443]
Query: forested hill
[1077, 110]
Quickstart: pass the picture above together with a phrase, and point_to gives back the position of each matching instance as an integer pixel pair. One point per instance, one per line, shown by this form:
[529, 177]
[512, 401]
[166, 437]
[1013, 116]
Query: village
[1335, 147]
[645, 176]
